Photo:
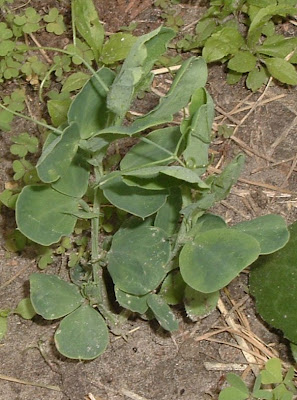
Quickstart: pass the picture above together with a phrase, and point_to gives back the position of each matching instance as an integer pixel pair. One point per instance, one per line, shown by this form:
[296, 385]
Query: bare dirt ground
[152, 365]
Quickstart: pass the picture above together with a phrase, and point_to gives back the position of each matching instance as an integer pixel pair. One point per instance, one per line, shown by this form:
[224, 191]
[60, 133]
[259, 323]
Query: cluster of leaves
[17, 62]
[273, 283]
[159, 182]
[244, 34]
[280, 387]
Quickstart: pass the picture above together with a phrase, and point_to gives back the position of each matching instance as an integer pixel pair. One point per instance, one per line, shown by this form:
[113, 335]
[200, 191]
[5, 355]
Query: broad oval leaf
[137, 263]
[269, 230]
[214, 258]
[133, 199]
[52, 297]
[162, 312]
[57, 156]
[282, 70]
[173, 287]
[75, 178]
[131, 302]
[117, 47]
[82, 335]
[199, 304]
[44, 215]
[243, 61]
[273, 283]
[168, 215]
[89, 109]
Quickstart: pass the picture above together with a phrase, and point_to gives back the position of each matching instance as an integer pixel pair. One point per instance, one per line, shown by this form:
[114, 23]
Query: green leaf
[57, 156]
[82, 335]
[282, 70]
[256, 78]
[44, 215]
[3, 326]
[131, 302]
[199, 304]
[24, 143]
[54, 21]
[74, 179]
[262, 17]
[92, 100]
[215, 257]
[162, 312]
[136, 68]
[206, 223]
[135, 200]
[52, 297]
[75, 81]
[25, 309]
[233, 77]
[278, 46]
[117, 47]
[58, 109]
[86, 20]
[273, 283]
[222, 43]
[168, 215]
[238, 391]
[243, 61]
[138, 272]
[269, 230]
[197, 129]
[144, 153]
[222, 184]
[272, 372]
[173, 287]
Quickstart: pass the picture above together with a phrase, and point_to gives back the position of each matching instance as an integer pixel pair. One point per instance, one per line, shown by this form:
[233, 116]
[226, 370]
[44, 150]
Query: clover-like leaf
[55, 23]
[24, 143]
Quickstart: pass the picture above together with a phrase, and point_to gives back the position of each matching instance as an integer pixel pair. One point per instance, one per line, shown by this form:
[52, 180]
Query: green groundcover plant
[168, 250]
[270, 384]
[245, 34]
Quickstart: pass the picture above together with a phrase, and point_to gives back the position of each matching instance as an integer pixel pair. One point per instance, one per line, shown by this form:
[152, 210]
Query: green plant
[273, 283]
[152, 257]
[270, 384]
[243, 35]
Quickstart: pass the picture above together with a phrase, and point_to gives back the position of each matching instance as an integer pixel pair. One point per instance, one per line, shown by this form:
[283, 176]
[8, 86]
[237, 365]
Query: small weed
[270, 384]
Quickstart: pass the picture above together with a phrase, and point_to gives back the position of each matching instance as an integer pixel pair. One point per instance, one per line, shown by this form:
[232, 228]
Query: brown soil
[151, 364]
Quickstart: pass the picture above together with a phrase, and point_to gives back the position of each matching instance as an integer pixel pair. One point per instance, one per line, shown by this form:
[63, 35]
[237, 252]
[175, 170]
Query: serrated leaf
[82, 335]
[138, 272]
[214, 258]
[44, 215]
[162, 312]
[52, 297]
[282, 70]
[25, 309]
[273, 283]
[243, 61]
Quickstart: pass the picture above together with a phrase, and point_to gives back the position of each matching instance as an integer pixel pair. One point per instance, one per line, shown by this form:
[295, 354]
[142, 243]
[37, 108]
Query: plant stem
[95, 239]
[86, 64]
[44, 125]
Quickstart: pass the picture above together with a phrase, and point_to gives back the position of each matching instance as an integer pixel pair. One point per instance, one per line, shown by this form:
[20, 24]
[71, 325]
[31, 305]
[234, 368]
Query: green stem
[86, 64]
[95, 239]
[44, 125]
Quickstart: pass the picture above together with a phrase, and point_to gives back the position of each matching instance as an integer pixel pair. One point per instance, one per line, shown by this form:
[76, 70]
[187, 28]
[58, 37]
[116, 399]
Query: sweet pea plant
[168, 250]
